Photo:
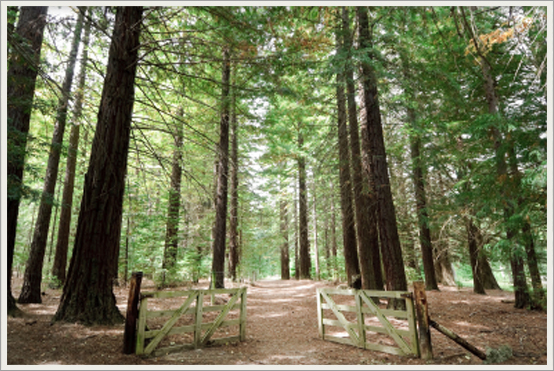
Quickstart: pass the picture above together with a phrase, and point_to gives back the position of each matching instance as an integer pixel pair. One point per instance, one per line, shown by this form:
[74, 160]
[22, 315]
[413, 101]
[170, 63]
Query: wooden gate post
[422, 313]
[129, 336]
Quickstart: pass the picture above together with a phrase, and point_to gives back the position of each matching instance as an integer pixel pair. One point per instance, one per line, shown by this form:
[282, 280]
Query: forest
[367, 146]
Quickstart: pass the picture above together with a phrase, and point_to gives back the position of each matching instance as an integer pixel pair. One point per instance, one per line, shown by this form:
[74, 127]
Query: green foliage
[502, 354]
[284, 66]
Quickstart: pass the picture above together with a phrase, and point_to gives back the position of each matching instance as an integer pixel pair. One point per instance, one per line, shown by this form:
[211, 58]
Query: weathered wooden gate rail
[365, 305]
[195, 297]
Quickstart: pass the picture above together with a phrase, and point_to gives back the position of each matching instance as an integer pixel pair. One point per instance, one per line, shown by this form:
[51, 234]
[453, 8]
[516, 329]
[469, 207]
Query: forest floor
[282, 330]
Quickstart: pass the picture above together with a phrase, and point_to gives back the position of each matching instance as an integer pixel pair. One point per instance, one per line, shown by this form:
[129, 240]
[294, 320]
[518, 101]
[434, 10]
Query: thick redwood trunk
[219, 231]
[87, 296]
[62, 243]
[21, 81]
[348, 225]
[366, 223]
[371, 127]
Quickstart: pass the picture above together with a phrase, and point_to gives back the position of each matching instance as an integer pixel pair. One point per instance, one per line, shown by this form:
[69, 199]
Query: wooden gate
[192, 305]
[367, 324]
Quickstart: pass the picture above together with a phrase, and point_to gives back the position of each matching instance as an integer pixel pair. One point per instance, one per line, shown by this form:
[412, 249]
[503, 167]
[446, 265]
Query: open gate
[189, 318]
[360, 321]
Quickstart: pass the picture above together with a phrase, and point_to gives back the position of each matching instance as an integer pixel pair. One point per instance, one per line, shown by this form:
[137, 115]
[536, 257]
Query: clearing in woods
[282, 330]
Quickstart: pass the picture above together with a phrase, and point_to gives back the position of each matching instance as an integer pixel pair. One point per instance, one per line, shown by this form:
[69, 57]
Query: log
[422, 314]
[129, 336]
[443, 330]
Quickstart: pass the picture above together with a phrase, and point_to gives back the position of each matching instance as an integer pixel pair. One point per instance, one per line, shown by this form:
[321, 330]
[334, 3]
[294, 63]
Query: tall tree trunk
[62, 244]
[472, 232]
[219, 231]
[366, 223]
[316, 250]
[421, 206]
[296, 235]
[371, 127]
[538, 291]
[88, 296]
[484, 270]
[304, 243]
[334, 234]
[443, 266]
[172, 224]
[326, 249]
[522, 298]
[348, 225]
[53, 231]
[283, 214]
[527, 236]
[21, 79]
[30, 292]
[234, 249]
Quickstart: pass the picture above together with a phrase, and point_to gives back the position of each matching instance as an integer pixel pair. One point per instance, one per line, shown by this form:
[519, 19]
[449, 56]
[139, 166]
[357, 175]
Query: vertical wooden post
[141, 326]
[242, 333]
[360, 316]
[198, 319]
[129, 336]
[412, 324]
[320, 316]
[422, 313]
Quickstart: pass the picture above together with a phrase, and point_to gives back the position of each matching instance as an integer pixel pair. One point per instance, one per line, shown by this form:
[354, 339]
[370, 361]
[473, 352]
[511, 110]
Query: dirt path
[282, 330]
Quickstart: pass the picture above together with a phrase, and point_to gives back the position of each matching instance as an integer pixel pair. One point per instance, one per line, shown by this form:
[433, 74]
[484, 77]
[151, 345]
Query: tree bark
[304, 243]
[21, 79]
[348, 225]
[472, 231]
[296, 237]
[421, 205]
[326, 249]
[88, 297]
[371, 127]
[219, 231]
[538, 291]
[283, 214]
[334, 236]
[316, 250]
[366, 223]
[443, 266]
[62, 243]
[172, 224]
[31, 290]
[234, 248]
[527, 236]
[22, 75]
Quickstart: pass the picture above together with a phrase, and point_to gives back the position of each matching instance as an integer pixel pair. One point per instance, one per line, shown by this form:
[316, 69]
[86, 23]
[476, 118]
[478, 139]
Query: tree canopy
[457, 94]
